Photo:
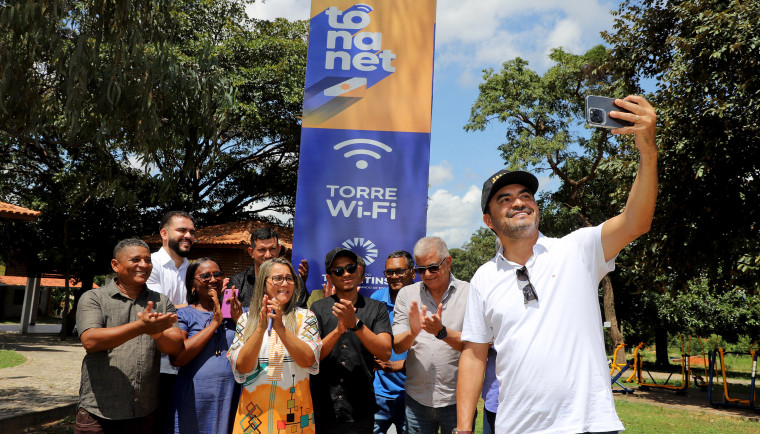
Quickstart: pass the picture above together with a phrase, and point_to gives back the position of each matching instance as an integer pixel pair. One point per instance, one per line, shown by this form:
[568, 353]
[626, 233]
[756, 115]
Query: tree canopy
[114, 112]
[704, 57]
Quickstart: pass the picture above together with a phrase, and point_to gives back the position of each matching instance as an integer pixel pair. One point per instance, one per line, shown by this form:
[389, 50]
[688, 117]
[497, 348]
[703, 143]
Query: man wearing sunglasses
[391, 375]
[427, 322]
[354, 330]
[537, 299]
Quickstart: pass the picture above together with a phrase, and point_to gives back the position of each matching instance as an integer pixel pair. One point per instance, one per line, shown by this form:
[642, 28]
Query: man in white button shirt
[168, 278]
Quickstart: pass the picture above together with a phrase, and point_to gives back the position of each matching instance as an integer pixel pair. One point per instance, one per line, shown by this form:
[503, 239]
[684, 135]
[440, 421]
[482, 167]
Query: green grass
[10, 358]
[645, 418]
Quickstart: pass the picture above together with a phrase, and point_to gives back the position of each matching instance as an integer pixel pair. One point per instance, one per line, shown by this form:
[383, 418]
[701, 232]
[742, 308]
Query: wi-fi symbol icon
[364, 8]
[362, 164]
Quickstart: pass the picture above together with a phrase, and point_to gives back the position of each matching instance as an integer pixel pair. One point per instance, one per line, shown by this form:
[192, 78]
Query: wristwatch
[442, 334]
[456, 431]
[359, 324]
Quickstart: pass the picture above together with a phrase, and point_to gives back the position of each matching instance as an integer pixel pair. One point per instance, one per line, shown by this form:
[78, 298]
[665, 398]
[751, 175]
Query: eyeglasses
[280, 280]
[206, 277]
[529, 292]
[396, 272]
[431, 268]
[350, 268]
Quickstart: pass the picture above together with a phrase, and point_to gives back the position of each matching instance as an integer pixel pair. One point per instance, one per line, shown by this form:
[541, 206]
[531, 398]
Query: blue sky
[472, 35]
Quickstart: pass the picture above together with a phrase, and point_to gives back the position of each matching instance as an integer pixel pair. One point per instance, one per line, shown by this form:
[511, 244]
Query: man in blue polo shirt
[390, 375]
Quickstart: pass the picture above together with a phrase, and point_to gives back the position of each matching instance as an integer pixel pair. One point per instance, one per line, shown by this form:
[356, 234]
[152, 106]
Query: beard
[174, 245]
[516, 231]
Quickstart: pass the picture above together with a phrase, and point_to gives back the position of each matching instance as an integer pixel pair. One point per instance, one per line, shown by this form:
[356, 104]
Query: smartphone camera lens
[596, 115]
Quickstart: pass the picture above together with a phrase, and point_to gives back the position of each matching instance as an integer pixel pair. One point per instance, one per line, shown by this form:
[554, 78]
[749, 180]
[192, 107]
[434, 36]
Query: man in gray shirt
[431, 339]
[123, 327]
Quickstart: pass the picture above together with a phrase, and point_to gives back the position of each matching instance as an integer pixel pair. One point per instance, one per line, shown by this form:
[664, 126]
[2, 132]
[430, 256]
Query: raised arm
[636, 218]
[192, 346]
[148, 322]
[378, 344]
[411, 318]
[433, 324]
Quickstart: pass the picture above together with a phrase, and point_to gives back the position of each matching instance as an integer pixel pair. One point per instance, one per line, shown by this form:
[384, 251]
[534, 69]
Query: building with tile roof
[15, 212]
[227, 243]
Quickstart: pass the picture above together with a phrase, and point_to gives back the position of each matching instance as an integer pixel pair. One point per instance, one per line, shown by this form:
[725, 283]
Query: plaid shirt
[121, 383]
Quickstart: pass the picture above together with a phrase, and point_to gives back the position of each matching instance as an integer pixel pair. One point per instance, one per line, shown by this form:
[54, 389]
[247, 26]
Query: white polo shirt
[169, 280]
[551, 363]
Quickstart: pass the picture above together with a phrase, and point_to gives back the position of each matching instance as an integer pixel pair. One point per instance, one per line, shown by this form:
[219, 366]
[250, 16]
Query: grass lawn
[9, 358]
[645, 418]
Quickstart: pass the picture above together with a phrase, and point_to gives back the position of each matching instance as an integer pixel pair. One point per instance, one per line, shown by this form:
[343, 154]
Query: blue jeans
[391, 411]
[489, 422]
[421, 419]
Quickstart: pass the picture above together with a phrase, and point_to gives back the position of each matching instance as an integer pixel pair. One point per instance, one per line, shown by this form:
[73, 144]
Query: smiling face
[439, 280]
[513, 212]
[398, 281]
[132, 266]
[284, 292]
[214, 284]
[179, 235]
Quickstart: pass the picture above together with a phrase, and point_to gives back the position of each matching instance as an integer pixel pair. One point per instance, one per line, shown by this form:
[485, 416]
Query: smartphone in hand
[597, 113]
[228, 293]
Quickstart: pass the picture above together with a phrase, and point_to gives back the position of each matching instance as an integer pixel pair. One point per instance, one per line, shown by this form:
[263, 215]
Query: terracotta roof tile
[15, 212]
[45, 281]
[230, 234]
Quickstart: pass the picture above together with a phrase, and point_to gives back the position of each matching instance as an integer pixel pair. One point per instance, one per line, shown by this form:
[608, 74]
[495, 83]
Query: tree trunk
[661, 347]
[608, 302]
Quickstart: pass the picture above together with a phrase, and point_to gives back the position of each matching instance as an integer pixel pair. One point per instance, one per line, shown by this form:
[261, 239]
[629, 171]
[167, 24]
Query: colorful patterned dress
[275, 396]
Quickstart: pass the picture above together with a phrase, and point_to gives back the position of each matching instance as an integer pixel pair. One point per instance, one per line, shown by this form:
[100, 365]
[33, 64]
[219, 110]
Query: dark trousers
[87, 423]
[163, 417]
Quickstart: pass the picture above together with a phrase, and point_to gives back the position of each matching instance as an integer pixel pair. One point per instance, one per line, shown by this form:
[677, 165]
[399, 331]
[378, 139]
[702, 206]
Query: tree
[206, 101]
[704, 57]
[113, 112]
[543, 115]
[474, 253]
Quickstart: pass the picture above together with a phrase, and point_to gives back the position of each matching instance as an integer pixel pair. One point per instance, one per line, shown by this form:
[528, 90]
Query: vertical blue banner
[365, 143]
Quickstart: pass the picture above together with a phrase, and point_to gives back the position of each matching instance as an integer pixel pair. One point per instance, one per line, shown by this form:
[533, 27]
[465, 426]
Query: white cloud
[454, 218]
[282, 217]
[441, 173]
[290, 9]
[476, 34]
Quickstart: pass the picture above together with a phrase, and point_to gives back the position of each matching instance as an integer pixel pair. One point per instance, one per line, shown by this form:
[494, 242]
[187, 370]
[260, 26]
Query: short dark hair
[264, 233]
[403, 254]
[129, 242]
[192, 297]
[171, 214]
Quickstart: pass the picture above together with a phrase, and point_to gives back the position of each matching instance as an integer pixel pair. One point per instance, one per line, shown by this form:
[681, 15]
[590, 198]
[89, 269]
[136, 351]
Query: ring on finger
[637, 119]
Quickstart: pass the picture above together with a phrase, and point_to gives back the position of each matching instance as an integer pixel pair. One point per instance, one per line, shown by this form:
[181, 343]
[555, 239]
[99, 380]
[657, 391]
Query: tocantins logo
[364, 248]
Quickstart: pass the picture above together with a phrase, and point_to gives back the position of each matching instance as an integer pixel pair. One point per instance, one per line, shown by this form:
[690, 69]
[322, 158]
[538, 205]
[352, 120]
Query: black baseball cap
[339, 251]
[506, 177]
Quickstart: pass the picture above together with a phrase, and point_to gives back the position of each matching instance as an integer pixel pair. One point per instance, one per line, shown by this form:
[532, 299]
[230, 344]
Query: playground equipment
[718, 354]
[617, 369]
[678, 388]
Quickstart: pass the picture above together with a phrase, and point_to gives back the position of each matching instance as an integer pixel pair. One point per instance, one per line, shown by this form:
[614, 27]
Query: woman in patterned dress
[276, 347]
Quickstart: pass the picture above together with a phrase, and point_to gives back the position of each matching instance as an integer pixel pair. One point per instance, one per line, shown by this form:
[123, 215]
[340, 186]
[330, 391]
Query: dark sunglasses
[338, 271]
[529, 292]
[396, 272]
[206, 277]
[431, 268]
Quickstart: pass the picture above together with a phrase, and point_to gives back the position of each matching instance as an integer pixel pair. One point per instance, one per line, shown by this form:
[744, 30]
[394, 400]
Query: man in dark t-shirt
[354, 330]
